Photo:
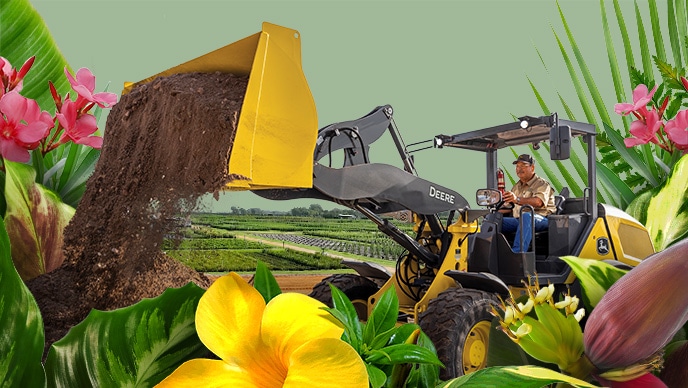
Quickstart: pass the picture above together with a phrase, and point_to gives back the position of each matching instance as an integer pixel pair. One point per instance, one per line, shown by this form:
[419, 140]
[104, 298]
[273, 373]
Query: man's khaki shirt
[536, 187]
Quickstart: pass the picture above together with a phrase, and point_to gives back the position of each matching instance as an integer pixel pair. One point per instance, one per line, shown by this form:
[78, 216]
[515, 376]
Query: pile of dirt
[166, 144]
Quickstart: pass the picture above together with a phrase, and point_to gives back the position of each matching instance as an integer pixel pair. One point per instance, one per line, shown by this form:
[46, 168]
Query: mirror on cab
[487, 197]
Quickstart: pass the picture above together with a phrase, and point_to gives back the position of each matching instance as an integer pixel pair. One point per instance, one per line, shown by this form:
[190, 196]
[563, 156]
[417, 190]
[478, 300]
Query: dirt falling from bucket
[166, 144]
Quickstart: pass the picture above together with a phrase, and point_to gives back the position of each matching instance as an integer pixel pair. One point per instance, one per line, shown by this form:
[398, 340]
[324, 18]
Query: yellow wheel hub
[475, 347]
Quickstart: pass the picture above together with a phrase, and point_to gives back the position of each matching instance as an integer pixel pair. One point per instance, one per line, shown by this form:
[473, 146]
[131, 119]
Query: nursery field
[215, 243]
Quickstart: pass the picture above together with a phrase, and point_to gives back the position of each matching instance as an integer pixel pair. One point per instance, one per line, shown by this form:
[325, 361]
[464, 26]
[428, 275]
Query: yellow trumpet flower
[290, 342]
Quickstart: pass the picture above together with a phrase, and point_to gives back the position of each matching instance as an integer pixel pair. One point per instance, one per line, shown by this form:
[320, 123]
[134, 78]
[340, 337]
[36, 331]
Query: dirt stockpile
[166, 144]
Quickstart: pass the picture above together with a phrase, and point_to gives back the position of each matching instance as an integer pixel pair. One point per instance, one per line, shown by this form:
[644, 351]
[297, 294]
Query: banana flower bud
[641, 312]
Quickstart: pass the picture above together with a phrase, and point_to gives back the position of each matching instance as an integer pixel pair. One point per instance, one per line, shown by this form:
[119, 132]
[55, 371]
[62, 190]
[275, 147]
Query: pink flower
[78, 129]
[85, 84]
[677, 130]
[644, 132]
[22, 126]
[640, 99]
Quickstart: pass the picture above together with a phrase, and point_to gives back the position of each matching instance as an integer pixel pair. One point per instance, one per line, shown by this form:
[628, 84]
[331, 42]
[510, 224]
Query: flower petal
[291, 319]
[86, 78]
[207, 374]
[91, 141]
[105, 99]
[326, 362]
[13, 105]
[33, 132]
[623, 108]
[12, 151]
[228, 318]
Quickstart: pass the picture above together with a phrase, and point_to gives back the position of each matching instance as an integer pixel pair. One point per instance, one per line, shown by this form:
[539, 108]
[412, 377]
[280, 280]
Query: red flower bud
[684, 81]
[641, 312]
[26, 67]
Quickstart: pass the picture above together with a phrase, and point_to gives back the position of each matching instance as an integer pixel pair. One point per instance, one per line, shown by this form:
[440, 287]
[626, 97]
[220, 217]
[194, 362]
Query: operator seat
[542, 237]
[560, 199]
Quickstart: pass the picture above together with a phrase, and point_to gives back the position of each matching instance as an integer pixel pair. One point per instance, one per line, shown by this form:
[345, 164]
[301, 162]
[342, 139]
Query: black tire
[458, 323]
[355, 287]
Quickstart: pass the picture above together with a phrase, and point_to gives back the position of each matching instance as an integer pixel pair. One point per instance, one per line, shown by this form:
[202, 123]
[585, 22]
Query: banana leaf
[527, 376]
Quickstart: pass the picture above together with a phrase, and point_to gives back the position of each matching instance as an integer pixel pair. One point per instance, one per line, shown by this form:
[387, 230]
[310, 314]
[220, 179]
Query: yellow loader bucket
[275, 137]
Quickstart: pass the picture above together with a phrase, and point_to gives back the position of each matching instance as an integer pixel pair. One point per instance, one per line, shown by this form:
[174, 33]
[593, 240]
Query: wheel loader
[455, 266]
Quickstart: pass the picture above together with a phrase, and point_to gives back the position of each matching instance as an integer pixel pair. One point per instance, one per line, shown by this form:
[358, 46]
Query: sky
[446, 67]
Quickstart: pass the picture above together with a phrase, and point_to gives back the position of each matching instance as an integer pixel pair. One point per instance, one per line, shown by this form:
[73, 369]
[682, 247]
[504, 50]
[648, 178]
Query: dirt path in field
[302, 284]
[294, 247]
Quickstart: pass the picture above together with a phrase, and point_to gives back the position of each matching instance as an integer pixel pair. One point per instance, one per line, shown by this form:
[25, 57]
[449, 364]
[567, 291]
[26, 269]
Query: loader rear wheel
[458, 323]
[355, 287]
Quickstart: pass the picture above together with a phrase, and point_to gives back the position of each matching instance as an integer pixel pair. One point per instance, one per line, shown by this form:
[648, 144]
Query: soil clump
[166, 144]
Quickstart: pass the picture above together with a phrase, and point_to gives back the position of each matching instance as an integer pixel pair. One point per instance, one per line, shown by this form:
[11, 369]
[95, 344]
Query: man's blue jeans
[511, 224]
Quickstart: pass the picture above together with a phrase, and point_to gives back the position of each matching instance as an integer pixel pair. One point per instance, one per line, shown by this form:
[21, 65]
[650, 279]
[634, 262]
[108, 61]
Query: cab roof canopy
[527, 130]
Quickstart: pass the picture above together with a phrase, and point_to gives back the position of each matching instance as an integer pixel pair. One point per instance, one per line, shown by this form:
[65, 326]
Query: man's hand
[508, 196]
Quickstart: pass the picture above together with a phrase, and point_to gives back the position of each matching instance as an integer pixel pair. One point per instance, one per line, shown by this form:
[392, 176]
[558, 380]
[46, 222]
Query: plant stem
[581, 369]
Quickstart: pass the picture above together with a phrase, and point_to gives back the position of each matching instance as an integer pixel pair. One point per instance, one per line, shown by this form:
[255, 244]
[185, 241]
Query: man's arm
[535, 202]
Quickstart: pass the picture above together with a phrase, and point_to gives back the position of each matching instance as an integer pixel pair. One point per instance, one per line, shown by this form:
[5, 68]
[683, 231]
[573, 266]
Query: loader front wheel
[355, 287]
[458, 323]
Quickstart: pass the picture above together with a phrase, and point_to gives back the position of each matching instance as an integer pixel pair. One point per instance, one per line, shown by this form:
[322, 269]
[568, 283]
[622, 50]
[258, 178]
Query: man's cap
[525, 158]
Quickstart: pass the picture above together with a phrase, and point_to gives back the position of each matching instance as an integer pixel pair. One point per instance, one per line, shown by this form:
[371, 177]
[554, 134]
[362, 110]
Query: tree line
[314, 210]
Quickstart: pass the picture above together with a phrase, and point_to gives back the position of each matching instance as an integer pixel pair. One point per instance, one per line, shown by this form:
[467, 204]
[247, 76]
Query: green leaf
[427, 375]
[25, 34]
[619, 186]
[674, 35]
[611, 55]
[70, 180]
[402, 354]
[35, 220]
[515, 377]
[376, 376]
[630, 155]
[402, 333]
[265, 282]
[383, 317]
[595, 277]
[345, 311]
[381, 339]
[136, 346]
[644, 47]
[667, 211]
[638, 208]
[656, 30]
[587, 76]
[21, 324]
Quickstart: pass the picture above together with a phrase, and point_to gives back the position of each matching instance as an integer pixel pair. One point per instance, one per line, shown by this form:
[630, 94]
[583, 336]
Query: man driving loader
[529, 190]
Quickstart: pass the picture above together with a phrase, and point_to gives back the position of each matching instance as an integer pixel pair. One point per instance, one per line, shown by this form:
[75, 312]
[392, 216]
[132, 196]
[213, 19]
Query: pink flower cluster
[25, 127]
[650, 126]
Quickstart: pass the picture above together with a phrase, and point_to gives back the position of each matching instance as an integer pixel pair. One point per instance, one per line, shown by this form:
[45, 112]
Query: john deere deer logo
[602, 246]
